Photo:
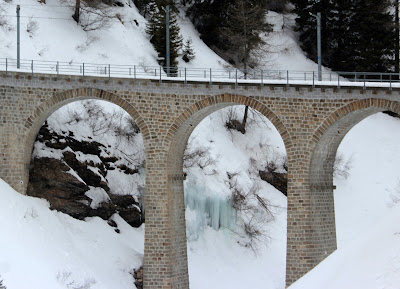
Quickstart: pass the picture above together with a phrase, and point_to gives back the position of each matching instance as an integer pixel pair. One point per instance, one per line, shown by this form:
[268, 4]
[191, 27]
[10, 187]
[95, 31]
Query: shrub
[341, 167]
[254, 212]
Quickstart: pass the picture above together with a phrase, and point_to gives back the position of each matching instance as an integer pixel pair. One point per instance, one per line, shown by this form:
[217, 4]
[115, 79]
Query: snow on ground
[216, 259]
[55, 36]
[43, 249]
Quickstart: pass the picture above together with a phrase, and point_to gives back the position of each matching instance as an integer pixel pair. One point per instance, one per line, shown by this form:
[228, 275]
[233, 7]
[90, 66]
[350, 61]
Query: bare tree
[92, 14]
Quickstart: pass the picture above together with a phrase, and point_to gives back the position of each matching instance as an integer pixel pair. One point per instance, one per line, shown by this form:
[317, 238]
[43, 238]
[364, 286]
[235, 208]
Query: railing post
[338, 81]
[185, 75]
[390, 81]
[6, 66]
[57, 69]
[109, 72]
[313, 76]
[134, 72]
[32, 67]
[236, 80]
[130, 69]
[160, 75]
[305, 76]
[83, 70]
[364, 82]
[210, 76]
[330, 76]
[262, 78]
[287, 78]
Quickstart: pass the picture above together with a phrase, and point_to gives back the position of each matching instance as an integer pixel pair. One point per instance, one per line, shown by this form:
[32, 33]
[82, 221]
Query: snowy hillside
[48, 32]
[45, 249]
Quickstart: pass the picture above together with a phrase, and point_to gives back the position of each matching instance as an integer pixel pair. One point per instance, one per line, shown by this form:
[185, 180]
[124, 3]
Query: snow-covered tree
[245, 22]
[356, 35]
[156, 28]
[188, 52]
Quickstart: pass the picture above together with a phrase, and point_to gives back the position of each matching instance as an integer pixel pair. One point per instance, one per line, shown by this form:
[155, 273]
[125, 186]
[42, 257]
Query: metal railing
[209, 75]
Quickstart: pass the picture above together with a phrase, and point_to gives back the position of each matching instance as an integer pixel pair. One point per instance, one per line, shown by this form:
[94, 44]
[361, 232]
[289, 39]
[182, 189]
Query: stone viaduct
[311, 120]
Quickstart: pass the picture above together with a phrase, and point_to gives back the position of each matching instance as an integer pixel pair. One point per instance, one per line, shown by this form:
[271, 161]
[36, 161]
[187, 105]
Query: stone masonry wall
[311, 121]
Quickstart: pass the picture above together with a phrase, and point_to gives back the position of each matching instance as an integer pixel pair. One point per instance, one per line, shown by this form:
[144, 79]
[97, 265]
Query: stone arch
[33, 123]
[176, 140]
[324, 144]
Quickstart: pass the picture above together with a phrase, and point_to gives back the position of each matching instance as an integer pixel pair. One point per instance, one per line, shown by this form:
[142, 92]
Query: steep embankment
[85, 163]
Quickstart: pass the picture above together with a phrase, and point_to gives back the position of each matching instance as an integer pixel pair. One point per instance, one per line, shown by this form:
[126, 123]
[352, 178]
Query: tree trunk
[246, 110]
[76, 15]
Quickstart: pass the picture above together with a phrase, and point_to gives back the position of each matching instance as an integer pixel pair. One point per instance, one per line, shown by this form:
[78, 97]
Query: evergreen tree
[244, 23]
[188, 52]
[143, 6]
[231, 27]
[356, 35]
[208, 16]
[156, 28]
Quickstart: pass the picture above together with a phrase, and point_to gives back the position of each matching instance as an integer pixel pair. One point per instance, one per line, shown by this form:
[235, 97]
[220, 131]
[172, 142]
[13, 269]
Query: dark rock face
[51, 179]
[278, 180]
[235, 124]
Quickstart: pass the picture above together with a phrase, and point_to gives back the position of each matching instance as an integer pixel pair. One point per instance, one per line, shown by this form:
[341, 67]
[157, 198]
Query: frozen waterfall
[204, 208]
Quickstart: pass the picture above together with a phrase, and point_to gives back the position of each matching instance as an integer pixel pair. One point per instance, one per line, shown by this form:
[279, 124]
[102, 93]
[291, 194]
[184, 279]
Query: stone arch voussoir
[175, 142]
[375, 105]
[323, 146]
[224, 100]
[41, 113]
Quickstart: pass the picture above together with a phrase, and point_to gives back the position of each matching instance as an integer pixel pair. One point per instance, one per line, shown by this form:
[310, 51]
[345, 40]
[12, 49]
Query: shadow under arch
[324, 144]
[176, 140]
[35, 121]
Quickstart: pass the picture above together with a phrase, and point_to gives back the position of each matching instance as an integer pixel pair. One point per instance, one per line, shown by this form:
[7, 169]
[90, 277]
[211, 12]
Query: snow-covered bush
[341, 166]
[253, 213]
[3, 20]
[32, 27]
[196, 155]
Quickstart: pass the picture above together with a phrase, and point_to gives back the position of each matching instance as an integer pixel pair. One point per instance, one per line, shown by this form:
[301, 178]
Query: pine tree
[207, 16]
[244, 24]
[143, 6]
[188, 52]
[156, 28]
[356, 35]
[231, 27]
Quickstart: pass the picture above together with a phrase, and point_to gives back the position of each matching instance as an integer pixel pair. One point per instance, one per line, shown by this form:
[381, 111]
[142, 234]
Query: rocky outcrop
[278, 180]
[64, 182]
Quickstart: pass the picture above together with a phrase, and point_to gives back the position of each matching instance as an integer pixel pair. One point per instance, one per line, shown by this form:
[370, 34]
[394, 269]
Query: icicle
[212, 210]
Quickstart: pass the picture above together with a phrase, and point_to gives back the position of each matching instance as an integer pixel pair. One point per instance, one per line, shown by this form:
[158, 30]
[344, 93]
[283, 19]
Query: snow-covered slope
[48, 32]
[215, 257]
[43, 249]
